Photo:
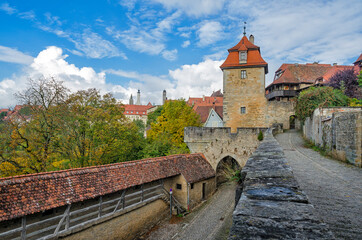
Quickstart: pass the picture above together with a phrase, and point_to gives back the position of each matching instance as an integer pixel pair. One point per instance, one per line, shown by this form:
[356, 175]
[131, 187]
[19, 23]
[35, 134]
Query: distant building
[290, 79]
[209, 105]
[138, 112]
[358, 63]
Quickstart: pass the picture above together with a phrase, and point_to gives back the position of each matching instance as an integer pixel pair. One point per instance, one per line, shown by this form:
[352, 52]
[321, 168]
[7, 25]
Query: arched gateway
[226, 169]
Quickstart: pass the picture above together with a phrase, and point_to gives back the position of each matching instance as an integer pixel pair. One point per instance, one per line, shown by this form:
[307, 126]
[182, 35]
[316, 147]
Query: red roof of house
[28, 194]
[333, 70]
[218, 93]
[137, 109]
[359, 59]
[203, 111]
[253, 55]
[299, 73]
[4, 110]
[205, 101]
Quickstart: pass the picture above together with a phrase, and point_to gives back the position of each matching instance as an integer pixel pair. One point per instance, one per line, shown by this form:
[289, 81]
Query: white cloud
[94, 46]
[9, 10]
[185, 44]
[30, 15]
[51, 62]
[170, 55]
[148, 39]
[209, 32]
[196, 79]
[14, 56]
[192, 7]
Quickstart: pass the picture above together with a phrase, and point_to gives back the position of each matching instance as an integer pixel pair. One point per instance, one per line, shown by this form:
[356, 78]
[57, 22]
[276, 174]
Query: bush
[260, 136]
[315, 97]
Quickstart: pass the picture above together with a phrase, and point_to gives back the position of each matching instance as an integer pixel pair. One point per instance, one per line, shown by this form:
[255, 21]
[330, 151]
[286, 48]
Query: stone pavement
[333, 187]
[210, 221]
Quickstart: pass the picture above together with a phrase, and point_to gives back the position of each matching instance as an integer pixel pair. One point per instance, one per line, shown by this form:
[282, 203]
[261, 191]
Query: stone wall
[218, 143]
[280, 112]
[272, 205]
[337, 130]
[126, 226]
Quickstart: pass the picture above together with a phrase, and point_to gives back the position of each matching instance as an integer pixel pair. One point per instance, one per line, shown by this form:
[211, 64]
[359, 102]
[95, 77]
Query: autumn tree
[28, 137]
[166, 135]
[96, 131]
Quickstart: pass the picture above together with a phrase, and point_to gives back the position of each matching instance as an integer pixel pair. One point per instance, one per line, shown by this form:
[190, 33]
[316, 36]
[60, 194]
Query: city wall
[218, 143]
[338, 130]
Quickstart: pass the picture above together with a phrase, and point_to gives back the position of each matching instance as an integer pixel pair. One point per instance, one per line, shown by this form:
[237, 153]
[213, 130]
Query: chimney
[164, 97]
[251, 38]
[131, 100]
[138, 97]
[203, 98]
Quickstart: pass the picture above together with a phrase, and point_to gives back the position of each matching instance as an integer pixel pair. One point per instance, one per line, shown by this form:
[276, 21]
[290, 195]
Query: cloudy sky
[152, 45]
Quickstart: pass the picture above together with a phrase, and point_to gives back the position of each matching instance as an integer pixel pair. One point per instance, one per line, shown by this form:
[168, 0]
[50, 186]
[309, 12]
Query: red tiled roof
[359, 59]
[28, 194]
[205, 100]
[300, 73]
[137, 109]
[218, 93]
[203, 111]
[333, 70]
[4, 110]
[253, 55]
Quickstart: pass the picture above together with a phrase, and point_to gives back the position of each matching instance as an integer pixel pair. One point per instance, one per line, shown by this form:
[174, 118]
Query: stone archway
[226, 169]
[292, 119]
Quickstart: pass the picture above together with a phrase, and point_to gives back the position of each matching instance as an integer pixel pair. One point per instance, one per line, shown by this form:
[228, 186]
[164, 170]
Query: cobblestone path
[333, 187]
[210, 221]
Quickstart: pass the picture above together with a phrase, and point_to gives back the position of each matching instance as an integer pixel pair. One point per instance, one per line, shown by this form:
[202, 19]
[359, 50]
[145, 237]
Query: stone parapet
[272, 205]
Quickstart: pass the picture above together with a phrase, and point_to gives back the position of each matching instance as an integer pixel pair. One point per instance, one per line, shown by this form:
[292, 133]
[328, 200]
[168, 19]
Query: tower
[164, 98]
[138, 97]
[244, 86]
[131, 100]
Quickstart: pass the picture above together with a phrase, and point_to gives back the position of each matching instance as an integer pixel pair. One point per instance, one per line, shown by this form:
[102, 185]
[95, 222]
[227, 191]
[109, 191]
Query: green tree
[169, 127]
[315, 97]
[152, 117]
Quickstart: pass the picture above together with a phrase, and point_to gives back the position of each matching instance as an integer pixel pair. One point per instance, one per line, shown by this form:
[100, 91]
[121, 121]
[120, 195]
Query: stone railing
[272, 205]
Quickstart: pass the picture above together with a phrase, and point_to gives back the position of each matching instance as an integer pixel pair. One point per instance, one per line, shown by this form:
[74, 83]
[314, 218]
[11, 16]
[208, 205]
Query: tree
[346, 80]
[97, 132]
[28, 141]
[152, 117]
[169, 127]
[312, 98]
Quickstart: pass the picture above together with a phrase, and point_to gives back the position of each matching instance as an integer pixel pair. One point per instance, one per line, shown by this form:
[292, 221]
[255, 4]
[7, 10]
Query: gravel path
[333, 187]
[212, 220]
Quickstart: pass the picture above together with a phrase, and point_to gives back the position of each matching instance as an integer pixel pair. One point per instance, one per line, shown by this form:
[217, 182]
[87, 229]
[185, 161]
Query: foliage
[152, 117]
[315, 97]
[169, 129]
[346, 81]
[354, 102]
[359, 77]
[2, 115]
[260, 136]
[66, 131]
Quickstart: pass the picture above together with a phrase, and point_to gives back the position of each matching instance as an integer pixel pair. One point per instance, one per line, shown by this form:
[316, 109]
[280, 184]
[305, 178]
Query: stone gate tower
[244, 72]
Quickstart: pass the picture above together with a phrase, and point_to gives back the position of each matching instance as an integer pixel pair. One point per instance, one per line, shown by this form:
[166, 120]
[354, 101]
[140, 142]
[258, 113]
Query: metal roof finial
[244, 28]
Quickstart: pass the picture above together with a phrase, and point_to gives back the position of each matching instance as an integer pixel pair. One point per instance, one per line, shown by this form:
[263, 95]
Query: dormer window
[242, 57]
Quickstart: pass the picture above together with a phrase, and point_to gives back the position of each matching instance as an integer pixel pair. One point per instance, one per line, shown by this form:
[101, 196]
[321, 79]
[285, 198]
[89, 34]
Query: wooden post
[67, 219]
[124, 199]
[142, 193]
[100, 207]
[23, 230]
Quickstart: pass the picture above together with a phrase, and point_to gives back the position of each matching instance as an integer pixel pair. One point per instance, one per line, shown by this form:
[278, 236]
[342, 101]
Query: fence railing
[78, 217]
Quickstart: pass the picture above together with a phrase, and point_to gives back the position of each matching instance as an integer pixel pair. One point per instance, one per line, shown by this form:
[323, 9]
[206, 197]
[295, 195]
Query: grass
[310, 144]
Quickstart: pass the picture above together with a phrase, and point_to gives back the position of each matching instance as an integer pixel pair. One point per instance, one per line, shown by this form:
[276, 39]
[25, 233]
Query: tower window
[243, 110]
[243, 74]
[242, 57]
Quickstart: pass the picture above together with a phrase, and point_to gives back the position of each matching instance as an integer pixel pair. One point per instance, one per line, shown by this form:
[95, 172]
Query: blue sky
[122, 46]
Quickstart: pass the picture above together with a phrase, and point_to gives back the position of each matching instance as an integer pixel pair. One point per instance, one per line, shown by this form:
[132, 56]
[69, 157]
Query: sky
[152, 45]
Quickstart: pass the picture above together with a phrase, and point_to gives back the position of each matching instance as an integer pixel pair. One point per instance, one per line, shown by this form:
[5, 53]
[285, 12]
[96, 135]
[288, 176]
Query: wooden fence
[77, 216]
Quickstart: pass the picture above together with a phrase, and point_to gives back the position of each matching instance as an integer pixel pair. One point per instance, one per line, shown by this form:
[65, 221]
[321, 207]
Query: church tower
[131, 100]
[244, 86]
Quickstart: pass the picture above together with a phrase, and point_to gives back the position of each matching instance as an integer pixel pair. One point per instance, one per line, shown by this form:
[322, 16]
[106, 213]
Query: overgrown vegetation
[310, 144]
[315, 97]
[346, 81]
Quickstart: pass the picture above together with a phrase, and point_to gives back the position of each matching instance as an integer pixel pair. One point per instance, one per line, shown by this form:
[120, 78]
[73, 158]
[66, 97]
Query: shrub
[260, 136]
